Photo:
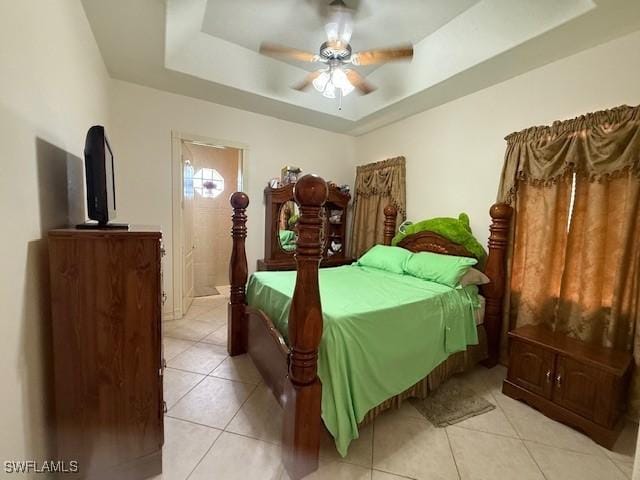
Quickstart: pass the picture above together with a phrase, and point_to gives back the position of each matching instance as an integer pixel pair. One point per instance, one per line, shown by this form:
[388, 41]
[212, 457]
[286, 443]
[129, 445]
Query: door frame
[177, 137]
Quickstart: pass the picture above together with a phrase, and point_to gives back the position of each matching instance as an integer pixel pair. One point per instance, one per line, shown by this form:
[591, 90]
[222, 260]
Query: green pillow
[382, 257]
[443, 269]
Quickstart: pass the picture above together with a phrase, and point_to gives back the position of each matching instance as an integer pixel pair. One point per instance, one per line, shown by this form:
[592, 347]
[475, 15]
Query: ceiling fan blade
[280, 51]
[359, 82]
[308, 80]
[383, 55]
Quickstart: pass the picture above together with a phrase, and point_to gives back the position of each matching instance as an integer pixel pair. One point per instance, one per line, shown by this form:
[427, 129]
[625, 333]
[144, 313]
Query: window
[208, 183]
[572, 200]
[188, 180]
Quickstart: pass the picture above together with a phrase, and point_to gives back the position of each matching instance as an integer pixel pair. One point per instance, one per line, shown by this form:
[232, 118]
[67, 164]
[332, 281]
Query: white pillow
[474, 277]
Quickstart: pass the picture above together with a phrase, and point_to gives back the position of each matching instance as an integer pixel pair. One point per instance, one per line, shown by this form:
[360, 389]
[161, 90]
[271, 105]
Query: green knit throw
[456, 230]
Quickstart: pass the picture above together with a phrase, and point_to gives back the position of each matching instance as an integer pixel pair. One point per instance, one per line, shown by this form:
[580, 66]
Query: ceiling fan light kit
[330, 80]
[335, 81]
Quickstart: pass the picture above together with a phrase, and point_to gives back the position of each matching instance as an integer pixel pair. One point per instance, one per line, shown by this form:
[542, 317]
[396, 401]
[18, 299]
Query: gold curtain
[575, 264]
[599, 299]
[538, 251]
[377, 185]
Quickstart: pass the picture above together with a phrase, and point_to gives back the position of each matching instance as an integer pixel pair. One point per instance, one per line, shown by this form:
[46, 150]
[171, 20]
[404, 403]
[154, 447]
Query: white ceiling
[208, 49]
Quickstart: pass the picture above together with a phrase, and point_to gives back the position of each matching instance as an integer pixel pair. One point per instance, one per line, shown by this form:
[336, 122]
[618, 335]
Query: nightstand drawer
[583, 389]
[531, 367]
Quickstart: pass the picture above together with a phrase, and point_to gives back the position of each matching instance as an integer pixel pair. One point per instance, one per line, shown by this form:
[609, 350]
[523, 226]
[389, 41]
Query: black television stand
[103, 226]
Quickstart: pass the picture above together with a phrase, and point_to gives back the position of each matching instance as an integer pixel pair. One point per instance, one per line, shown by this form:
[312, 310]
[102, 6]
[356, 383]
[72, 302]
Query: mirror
[287, 226]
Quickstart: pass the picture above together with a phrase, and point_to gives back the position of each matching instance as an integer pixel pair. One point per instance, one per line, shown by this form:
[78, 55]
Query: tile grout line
[236, 414]
[521, 439]
[196, 342]
[391, 473]
[182, 396]
[203, 456]
[526, 447]
[221, 430]
[179, 353]
[168, 335]
[204, 378]
[191, 371]
[255, 387]
[601, 453]
[455, 425]
[193, 422]
[453, 455]
[622, 471]
[568, 450]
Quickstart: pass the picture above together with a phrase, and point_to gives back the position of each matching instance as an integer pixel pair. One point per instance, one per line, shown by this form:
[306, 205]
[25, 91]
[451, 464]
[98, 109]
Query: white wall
[143, 119]
[455, 151]
[53, 87]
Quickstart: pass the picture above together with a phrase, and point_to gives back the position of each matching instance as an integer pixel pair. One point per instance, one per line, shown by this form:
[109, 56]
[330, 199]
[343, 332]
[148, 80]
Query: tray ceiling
[208, 49]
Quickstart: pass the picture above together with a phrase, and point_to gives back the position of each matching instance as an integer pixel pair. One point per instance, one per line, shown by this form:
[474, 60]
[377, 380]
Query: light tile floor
[223, 423]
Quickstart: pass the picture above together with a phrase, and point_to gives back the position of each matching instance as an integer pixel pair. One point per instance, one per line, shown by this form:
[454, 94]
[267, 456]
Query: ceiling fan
[334, 79]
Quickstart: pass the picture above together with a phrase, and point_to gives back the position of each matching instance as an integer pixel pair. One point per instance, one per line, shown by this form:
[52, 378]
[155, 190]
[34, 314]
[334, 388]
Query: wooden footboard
[291, 373]
[268, 350]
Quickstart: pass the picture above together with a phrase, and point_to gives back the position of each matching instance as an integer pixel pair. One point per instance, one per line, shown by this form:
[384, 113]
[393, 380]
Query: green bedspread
[383, 332]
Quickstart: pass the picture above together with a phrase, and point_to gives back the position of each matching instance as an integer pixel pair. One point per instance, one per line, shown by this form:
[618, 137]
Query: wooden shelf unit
[275, 257]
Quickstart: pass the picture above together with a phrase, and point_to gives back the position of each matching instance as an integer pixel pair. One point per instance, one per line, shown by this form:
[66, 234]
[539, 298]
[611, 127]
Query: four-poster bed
[290, 368]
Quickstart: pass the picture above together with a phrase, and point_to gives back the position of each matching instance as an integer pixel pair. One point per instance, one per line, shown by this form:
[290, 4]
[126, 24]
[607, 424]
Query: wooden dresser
[581, 385]
[106, 300]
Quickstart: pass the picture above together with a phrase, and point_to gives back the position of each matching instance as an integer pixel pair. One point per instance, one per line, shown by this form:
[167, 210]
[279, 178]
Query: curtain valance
[598, 145]
[383, 178]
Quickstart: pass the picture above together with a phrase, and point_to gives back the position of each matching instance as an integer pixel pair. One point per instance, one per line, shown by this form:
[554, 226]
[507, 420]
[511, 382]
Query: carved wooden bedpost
[237, 328]
[302, 391]
[390, 214]
[495, 270]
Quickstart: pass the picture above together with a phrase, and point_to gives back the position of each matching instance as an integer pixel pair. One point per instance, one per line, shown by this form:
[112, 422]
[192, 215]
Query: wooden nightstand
[581, 385]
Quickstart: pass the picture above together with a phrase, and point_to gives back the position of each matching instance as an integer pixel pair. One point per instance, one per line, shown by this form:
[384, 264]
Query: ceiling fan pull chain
[339, 98]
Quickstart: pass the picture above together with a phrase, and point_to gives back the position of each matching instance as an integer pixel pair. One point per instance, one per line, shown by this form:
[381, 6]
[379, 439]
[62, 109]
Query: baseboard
[171, 315]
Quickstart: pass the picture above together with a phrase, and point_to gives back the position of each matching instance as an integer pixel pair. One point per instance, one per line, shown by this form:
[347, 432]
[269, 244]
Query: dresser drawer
[532, 368]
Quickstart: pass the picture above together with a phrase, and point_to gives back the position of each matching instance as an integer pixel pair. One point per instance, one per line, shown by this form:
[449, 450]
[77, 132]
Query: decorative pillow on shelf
[434, 267]
[474, 277]
[382, 257]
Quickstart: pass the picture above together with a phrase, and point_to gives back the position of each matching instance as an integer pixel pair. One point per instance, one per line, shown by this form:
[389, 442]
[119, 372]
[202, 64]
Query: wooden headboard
[432, 242]
[494, 268]
[424, 241]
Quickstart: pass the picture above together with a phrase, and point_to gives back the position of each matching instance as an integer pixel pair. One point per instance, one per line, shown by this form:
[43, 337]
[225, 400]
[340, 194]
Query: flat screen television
[101, 188]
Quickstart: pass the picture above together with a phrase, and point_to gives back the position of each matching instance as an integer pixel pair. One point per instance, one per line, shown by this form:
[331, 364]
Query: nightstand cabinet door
[582, 389]
[532, 368]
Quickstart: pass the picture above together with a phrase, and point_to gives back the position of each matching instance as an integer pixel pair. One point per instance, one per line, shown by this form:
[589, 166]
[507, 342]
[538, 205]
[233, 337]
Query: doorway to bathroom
[209, 172]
